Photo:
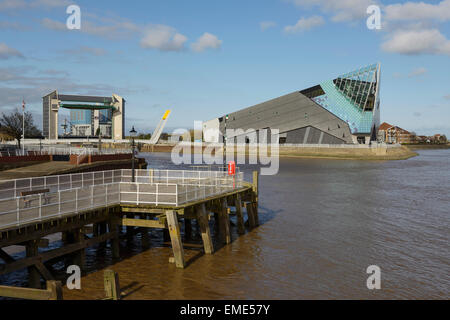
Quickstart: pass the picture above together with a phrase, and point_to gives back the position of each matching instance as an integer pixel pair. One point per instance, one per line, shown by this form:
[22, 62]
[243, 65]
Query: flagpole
[23, 127]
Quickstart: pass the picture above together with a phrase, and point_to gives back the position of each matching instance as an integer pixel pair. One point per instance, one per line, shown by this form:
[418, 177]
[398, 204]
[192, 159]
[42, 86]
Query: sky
[206, 58]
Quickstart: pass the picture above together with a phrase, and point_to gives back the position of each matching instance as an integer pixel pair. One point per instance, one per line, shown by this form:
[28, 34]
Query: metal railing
[66, 195]
[36, 150]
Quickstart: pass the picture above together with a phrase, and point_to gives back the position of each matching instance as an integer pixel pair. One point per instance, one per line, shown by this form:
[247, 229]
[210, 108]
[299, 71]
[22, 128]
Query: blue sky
[205, 58]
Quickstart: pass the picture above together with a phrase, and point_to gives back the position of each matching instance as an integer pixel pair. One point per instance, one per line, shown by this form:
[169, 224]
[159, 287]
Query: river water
[322, 223]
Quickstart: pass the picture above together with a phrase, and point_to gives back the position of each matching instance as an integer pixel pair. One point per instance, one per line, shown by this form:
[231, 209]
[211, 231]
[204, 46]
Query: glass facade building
[343, 110]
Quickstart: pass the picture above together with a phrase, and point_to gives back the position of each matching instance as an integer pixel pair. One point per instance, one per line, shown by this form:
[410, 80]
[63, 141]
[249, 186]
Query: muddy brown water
[323, 222]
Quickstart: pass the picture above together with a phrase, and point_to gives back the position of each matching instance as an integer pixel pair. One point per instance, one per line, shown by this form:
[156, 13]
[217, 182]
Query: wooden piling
[115, 242]
[34, 277]
[239, 215]
[175, 237]
[255, 189]
[224, 229]
[250, 214]
[79, 258]
[111, 283]
[202, 220]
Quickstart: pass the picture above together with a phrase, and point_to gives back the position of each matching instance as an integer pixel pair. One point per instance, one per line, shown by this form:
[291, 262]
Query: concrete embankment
[374, 153]
[333, 152]
[427, 146]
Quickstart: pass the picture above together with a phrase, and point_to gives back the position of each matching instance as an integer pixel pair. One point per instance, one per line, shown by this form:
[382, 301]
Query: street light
[40, 143]
[133, 134]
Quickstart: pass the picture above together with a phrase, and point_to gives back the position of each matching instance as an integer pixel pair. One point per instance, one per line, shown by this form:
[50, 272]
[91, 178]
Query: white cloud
[12, 26]
[21, 4]
[83, 50]
[305, 24]
[264, 25]
[418, 11]
[417, 72]
[8, 52]
[341, 10]
[415, 42]
[206, 41]
[163, 38]
[12, 4]
[53, 25]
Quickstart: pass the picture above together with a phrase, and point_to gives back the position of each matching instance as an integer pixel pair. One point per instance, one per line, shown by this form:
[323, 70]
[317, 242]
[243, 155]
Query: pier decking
[33, 208]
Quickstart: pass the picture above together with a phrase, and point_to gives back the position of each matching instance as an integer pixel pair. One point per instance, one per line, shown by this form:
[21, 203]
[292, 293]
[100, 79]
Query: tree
[11, 124]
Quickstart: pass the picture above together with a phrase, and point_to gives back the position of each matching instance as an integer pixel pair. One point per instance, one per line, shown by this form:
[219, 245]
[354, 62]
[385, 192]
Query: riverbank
[383, 152]
[380, 153]
[427, 146]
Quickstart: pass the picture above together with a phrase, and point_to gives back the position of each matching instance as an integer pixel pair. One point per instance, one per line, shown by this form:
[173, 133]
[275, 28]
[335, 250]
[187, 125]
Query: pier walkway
[90, 208]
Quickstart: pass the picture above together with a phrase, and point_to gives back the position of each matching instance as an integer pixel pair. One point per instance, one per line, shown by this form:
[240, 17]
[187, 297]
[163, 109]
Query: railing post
[15, 188]
[59, 203]
[92, 196]
[40, 206]
[18, 210]
[176, 195]
[137, 195]
[157, 191]
[76, 200]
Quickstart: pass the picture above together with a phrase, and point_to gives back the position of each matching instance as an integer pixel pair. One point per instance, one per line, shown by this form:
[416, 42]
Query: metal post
[132, 162]
[137, 194]
[40, 206]
[18, 211]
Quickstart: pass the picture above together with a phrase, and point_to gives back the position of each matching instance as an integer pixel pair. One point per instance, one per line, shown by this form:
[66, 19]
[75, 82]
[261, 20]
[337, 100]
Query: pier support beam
[115, 242]
[224, 229]
[250, 214]
[202, 220]
[79, 258]
[239, 215]
[144, 233]
[175, 237]
[34, 277]
[255, 188]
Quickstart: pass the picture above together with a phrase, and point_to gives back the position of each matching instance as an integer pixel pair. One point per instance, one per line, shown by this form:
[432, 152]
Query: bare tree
[11, 124]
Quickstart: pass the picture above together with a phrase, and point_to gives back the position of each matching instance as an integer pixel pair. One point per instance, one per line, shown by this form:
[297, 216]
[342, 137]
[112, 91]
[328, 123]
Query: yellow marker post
[166, 114]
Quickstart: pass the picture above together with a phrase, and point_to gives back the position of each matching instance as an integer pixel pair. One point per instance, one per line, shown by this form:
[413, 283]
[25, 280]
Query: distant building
[392, 134]
[343, 110]
[89, 115]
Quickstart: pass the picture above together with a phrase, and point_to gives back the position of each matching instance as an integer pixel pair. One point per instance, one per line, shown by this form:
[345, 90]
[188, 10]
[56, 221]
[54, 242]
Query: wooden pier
[217, 199]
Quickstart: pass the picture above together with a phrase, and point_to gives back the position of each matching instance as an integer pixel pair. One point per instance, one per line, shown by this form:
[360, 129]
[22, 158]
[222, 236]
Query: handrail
[85, 191]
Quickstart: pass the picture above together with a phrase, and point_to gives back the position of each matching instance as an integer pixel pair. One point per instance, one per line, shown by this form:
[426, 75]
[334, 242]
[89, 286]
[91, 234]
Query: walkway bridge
[90, 208]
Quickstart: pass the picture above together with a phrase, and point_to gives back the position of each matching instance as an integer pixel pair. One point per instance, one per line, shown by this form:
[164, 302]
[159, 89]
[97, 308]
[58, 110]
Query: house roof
[385, 126]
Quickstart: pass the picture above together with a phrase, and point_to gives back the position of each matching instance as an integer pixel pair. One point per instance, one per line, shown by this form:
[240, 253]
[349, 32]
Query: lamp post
[133, 134]
[40, 144]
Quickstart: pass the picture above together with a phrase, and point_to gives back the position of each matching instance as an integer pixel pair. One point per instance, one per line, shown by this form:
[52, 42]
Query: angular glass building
[344, 110]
